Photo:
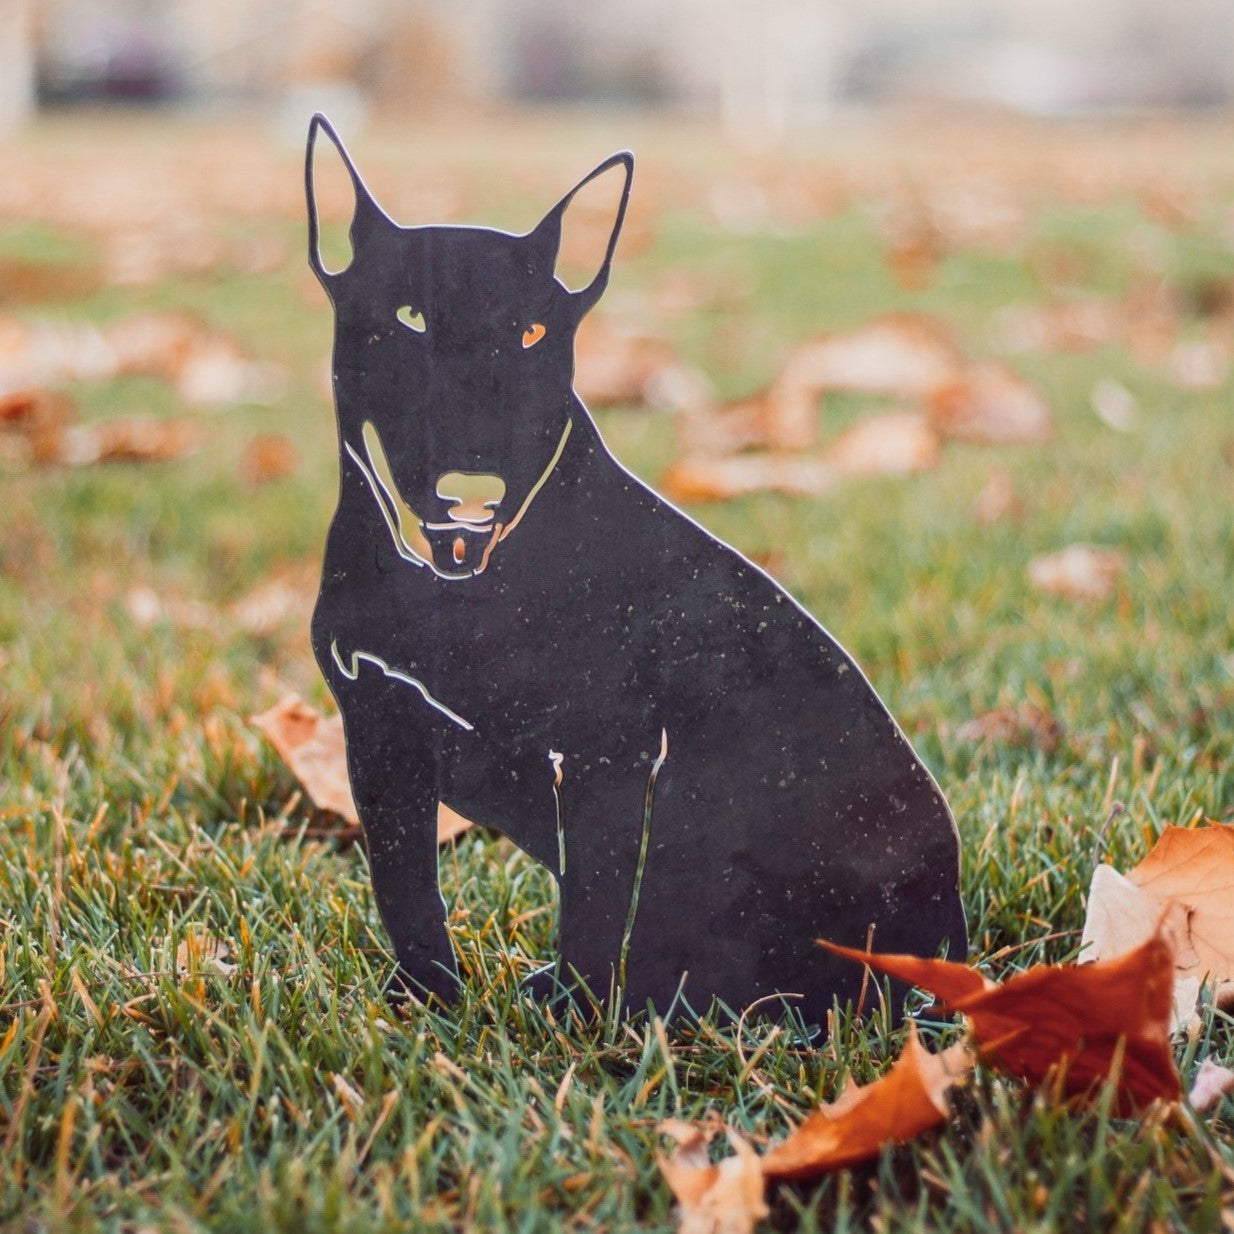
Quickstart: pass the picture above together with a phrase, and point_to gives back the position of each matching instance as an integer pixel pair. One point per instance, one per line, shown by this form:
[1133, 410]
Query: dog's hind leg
[604, 805]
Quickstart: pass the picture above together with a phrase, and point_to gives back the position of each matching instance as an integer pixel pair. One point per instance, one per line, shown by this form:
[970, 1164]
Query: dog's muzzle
[460, 545]
[461, 542]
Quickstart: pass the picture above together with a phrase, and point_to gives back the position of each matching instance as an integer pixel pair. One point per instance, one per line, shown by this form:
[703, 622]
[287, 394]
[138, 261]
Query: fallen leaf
[902, 354]
[988, 403]
[199, 951]
[615, 364]
[997, 500]
[709, 430]
[148, 607]
[1078, 572]
[1121, 916]
[275, 603]
[720, 479]
[216, 373]
[1212, 1082]
[909, 1100]
[724, 1197]
[313, 747]
[267, 457]
[31, 422]
[895, 443]
[1078, 1025]
[36, 426]
[1199, 364]
[1024, 726]
[130, 439]
[1068, 325]
[1186, 883]
[1115, 405]
[351, 1100]
[203, 366]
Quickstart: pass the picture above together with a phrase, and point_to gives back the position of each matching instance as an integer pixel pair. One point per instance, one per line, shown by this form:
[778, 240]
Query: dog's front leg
[393, 767]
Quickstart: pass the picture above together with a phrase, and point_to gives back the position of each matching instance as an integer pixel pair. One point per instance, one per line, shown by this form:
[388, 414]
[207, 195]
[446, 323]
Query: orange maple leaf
[1079, 1024]
[909, 1100]
[1184, 889]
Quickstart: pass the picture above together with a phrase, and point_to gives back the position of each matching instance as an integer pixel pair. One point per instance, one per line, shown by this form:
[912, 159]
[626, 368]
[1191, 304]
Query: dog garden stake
[514, 625]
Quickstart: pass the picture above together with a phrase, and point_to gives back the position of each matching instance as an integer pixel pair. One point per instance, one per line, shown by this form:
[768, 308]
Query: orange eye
[533, 335]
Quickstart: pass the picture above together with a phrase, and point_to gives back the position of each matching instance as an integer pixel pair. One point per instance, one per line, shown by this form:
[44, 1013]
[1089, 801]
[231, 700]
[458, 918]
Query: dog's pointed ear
[366, 213]
[547, 232]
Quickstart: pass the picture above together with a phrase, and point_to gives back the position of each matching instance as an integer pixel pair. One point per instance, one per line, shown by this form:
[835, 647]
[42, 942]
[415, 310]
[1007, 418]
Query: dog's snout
[472, 497]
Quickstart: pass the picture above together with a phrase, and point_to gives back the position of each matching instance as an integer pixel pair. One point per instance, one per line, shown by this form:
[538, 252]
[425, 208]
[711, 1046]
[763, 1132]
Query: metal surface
[514, 625]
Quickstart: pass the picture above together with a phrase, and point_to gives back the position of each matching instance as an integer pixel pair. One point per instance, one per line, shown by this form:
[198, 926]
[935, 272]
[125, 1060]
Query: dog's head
[453, 367]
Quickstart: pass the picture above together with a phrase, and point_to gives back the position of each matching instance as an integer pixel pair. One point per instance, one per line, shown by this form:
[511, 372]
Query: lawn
[146, 1084]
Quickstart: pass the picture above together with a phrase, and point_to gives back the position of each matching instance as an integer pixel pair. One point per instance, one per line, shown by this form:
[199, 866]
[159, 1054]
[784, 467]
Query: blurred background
[767, 65]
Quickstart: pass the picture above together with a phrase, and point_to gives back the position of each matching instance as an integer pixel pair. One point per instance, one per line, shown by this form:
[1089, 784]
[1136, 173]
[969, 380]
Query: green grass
[137, 807]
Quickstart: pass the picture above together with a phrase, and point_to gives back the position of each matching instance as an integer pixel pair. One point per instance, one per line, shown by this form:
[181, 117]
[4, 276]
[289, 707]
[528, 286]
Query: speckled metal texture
[514, 625]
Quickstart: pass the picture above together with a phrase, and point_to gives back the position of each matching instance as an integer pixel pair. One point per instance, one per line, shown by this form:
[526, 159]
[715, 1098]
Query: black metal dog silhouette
[514, 625]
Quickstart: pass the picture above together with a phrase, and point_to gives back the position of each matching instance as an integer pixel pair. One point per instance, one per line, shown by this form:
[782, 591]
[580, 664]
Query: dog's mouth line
[410, 532]
[461, 524]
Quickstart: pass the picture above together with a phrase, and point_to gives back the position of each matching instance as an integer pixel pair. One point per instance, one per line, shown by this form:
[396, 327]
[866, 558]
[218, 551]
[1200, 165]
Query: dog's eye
[412, 319]
[533, 334]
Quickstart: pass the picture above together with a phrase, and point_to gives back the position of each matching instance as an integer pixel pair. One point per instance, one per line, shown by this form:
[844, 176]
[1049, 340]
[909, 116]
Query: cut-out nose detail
[413, 319]
[473, 497]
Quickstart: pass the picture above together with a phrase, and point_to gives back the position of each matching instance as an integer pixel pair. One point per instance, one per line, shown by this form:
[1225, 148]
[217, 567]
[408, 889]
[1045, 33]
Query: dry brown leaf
[724, 1197]
[148, 607]
[285, 599]
[997, 499]
[900, 354]
[203, 366]
[988, 403]
[1186, 886]
[153, 344]
[909, 1100]
[1212, 1082]
[719, 479]
[1200, 364]
[708, 430]
[202, 952]
[1151, 312]
[1069, 325]
[1024, 726]
[1078, 572]
[895, 443]
[1074, 1025]
[36, 427]
[217, 373]
[312, 746]
[267, 457]
[31, 422]
[1115, 405]
[131, 439]
[617, 364]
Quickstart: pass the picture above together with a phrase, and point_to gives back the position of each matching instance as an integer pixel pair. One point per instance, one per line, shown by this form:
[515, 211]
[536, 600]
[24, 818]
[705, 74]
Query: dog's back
[514, 625]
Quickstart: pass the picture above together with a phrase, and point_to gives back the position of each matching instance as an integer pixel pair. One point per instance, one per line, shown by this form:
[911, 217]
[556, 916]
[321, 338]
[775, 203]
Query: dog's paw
[437, 986]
